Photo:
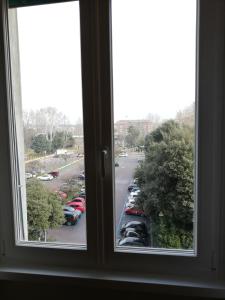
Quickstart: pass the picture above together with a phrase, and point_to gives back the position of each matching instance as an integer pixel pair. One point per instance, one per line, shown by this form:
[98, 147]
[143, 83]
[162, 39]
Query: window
[205, 261]
[154, 122]
[52, 167]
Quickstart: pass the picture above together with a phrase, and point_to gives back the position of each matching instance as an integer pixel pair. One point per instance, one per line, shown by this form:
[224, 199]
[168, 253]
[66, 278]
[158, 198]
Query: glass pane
[154, 49]
[46, 67]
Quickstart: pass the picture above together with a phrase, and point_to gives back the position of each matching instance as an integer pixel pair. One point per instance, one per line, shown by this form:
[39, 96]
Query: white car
[136, 193]
[131, 200]
[45, 177]
[123, 154]
[82, 190]
[28, 175]
[130, 205]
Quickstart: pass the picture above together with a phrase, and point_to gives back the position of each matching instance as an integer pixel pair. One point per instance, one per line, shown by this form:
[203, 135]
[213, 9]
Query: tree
[40, 144]
[69, 140]
[44, 210]
[58, 140]
[166, 177]
[132, 137]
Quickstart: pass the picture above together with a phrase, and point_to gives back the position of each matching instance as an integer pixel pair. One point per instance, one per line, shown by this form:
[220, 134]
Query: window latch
[104, 155]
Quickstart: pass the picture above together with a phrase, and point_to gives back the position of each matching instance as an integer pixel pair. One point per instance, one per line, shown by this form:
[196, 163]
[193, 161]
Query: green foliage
[132, 137]
[40, 144]
[44, 210]
[62, 139]
[171, 237]
[58, 140]
[69, 140]
[166, 181]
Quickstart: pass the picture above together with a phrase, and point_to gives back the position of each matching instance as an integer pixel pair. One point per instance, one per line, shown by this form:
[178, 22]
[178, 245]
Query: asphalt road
[124, 176]
[70, 170]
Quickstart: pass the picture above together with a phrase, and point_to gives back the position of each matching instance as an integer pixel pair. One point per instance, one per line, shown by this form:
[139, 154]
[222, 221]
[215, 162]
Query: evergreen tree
[166, 180]
[44, 210]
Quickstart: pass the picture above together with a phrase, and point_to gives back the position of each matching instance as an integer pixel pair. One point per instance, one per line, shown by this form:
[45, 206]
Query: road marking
[72, 163]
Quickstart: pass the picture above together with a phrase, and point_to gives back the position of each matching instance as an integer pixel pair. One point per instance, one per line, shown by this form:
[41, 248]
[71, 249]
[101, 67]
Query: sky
[154, 44]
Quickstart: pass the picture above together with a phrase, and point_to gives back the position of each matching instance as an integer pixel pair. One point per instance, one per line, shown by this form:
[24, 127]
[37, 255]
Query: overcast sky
[153, 57]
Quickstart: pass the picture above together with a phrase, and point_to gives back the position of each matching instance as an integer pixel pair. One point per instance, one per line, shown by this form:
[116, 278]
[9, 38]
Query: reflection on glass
[154, 122]
[48, 108]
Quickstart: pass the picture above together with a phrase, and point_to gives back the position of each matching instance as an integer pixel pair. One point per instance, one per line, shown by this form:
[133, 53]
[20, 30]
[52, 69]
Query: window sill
[117, 280]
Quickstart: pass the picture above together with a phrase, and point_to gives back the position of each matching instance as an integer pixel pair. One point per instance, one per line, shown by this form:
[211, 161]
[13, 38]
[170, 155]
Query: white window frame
[159, 270]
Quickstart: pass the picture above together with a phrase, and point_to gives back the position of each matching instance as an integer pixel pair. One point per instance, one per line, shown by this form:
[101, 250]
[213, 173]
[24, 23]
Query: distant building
[144, 126]
[187, 116]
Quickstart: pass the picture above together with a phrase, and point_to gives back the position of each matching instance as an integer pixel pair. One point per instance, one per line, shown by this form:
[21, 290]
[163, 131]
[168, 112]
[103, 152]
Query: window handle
[104, 158]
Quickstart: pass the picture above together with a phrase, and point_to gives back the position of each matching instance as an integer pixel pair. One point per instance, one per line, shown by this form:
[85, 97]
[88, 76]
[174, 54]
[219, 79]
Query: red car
[77, 205]
[79, 200]
[134, 211]
[54, 173]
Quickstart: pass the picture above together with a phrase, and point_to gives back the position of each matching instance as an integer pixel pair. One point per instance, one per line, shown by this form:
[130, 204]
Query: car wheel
[68, 223]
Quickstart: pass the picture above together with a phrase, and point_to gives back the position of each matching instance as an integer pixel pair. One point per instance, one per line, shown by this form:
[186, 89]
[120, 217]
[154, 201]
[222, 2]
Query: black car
[131, 232]
[82, 195]
[131, 186]
[81, 177]
[134, 189]
[140, 227]
[132, 241]
[70, 218]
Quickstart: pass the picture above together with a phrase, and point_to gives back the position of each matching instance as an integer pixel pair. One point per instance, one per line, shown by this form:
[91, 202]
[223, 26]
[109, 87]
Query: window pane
[154, 49]
[46, 67]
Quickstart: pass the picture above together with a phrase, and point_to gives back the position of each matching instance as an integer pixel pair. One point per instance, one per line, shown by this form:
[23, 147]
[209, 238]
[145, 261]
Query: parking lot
[124, 176]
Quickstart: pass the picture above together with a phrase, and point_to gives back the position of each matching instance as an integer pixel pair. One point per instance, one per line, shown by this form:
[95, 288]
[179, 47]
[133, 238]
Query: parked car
[134, 211]
[54, 173]
[45, 177]
[80, 195]
[70, 217]
[134, 189]
[28, 175]
[131, 186]
[133, 232]
[81, 177]
[135, 180]
[136, 193]
[79, 200]
[132, 241]
[68, 208]
[131, 200]
[139, 226]
[128, 204]
[116, 164]
[82, 190]
[77, 205]
[78, 212]
[123, 154]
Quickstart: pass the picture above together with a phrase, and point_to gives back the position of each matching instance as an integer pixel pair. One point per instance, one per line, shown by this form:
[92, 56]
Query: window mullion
[92, 103]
